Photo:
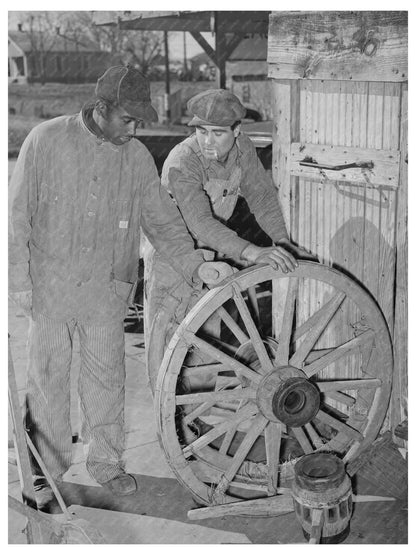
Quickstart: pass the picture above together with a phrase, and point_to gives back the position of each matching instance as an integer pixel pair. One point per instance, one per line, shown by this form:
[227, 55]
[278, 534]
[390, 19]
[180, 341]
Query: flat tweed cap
[215, 107]
[130, 89]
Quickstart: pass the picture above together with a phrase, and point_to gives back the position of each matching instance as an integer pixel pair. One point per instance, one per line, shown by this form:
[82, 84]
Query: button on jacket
[76, 206]
[185, 174]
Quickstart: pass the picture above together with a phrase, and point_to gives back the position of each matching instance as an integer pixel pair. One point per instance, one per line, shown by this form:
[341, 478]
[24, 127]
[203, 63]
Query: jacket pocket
[126, 242]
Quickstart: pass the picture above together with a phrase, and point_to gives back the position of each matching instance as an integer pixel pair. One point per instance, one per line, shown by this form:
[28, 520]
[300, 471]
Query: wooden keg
[322, 497]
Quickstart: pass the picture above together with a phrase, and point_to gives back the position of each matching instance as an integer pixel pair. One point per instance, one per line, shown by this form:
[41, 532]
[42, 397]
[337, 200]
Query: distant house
[58, 59]
[248, 62]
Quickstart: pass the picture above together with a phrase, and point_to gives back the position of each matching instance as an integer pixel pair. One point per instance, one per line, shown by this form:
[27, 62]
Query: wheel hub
[286, 395]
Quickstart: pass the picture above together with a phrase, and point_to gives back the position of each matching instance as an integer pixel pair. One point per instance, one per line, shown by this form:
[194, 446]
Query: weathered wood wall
[360, 46]
[340, 96]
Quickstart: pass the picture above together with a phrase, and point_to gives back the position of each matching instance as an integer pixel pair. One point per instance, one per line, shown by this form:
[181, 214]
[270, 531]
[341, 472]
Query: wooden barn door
[340, 154]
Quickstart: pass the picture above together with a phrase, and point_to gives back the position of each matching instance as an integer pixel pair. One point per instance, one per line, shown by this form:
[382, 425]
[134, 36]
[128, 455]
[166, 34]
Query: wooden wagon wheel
[314, 373]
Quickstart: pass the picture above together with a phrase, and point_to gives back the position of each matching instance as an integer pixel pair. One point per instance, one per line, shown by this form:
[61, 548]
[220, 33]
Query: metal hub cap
[286, 395]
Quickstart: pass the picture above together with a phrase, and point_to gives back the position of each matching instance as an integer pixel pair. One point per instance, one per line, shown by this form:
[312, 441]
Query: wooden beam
[197, 22]
[205, 46]
[245, 22]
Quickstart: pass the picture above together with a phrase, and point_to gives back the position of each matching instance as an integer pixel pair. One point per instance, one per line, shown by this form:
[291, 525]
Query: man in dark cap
[81, 189]
[205, 174]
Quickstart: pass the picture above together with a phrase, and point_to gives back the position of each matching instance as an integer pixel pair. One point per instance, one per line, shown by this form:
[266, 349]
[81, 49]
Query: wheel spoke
[226, 382]
[341, 398]
[253, 433]
[303, 440]
[229, 436]
[278, 293]
[314, 355]
[273, 439]
[252, 330]
[347, 385]
[343, 350]
[231, 363]
[315, 319]
[226, 442]
[282, 354]
[216, 396]
[323, 317]
[208, 375]
[197, 412]
[313, 434]
[252, 295]
[340, 426]
[212, 340]
[204, 369]
[246, 412]
[232, 325]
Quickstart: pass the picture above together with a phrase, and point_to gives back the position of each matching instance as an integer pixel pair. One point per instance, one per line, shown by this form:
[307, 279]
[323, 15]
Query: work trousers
[167, 300]
[101, 389]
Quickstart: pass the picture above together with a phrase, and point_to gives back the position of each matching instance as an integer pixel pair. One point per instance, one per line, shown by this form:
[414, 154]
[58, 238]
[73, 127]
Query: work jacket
[77, 203]
[206, 192]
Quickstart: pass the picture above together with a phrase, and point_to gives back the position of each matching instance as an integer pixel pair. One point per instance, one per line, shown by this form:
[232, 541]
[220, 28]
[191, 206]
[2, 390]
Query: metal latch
[312, 163]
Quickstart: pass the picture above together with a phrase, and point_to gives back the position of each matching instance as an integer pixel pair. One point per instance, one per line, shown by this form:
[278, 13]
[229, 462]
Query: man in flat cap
[81, 189]
[205, 174]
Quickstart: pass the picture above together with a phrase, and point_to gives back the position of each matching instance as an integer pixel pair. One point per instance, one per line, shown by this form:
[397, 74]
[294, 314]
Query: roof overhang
[197, 22]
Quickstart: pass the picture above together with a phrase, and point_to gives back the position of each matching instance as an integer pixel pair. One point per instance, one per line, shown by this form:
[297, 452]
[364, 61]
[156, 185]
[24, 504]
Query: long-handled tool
[41, 528]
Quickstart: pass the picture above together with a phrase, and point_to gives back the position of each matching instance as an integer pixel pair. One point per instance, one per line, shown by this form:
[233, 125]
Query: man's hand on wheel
[297, 251]
[277, 257]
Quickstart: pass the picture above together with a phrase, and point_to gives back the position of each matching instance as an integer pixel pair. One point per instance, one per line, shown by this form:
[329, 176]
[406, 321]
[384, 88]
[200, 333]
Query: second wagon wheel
[303, 366]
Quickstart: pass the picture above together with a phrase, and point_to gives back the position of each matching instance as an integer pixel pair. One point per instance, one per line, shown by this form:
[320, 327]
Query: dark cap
[215, 107]
[129, 89]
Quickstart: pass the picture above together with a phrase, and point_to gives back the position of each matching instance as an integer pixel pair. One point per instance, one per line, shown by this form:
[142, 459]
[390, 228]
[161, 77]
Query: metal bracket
[312, 163]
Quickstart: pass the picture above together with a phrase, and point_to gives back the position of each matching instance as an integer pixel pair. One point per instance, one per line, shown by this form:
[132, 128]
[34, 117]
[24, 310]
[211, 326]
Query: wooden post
[400, 342]
[167, 78]
[220, 47]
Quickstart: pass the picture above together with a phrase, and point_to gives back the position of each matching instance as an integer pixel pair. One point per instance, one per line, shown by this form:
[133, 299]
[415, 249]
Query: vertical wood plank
[283, 105]
[281, 143]
[322, 113]
[363, 117]
[386, 263]
[348, 115]
[400, 341]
